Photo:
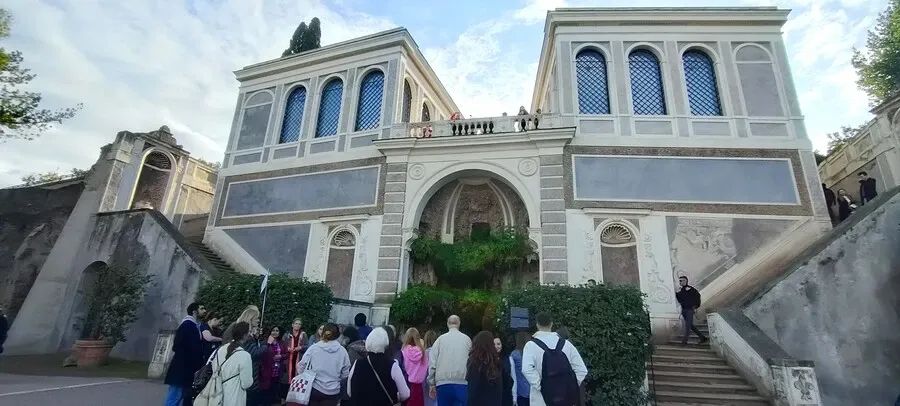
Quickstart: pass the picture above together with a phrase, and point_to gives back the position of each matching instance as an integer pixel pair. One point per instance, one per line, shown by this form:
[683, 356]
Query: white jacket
[237, 372]
[533, 360]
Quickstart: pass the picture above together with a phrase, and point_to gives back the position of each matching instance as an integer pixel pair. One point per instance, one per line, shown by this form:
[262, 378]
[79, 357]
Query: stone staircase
[210, 255]
[694, 374]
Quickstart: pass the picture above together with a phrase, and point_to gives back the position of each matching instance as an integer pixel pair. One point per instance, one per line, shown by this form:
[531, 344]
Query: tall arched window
[700, 80]
[426, 113]
[368, 112]
[330, 108]
[593, 86]
[255, 120]
[407, 102]
[647, 95]
[293, 116]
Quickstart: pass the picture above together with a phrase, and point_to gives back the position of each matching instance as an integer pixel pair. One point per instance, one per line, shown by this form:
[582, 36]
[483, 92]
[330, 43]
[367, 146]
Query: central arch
[476, 169]
[465, 198]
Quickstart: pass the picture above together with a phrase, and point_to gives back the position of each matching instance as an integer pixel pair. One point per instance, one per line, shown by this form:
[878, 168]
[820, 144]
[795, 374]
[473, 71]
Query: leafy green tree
[20, 113]
[305, 38]
[52, 176]
[878, 66]
[837, 140]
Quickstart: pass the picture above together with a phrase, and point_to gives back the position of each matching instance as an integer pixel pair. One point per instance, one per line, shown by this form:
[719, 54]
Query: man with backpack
[552, 366]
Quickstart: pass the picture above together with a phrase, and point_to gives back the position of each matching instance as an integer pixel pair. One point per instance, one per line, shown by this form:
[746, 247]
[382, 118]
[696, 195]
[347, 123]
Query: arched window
[759, 82]
[407, 102]
[293, 116]
[255, 120]
[700, 80]
[593, 86]
[647, 95]
[330, 108]
[368, 112]
[426, 113]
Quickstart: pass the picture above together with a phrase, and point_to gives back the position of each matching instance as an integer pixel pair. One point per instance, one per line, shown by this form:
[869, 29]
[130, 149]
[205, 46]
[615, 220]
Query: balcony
[502, 125]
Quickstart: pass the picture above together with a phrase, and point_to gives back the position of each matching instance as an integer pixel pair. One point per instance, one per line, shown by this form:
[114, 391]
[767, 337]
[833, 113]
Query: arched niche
[154, 178]
[618, 253]
[79, 321]
[342, 244]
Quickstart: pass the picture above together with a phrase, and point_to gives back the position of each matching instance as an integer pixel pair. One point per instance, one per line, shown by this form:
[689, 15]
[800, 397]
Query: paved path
[70, 391]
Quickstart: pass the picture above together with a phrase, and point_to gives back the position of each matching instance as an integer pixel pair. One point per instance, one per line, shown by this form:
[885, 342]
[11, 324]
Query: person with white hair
[376, 379]
[447, 366]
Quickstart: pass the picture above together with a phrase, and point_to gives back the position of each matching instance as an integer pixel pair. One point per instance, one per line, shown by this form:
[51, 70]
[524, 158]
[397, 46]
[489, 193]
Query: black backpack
[559, 386]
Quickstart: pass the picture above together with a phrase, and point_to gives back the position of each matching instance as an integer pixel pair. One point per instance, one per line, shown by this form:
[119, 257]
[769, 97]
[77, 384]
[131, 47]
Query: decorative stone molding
[416, 171]
[528, 167]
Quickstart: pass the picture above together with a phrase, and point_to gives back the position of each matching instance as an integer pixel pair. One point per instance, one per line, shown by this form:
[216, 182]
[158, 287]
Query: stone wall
[837, 306]
[146, 240]
[31, 219]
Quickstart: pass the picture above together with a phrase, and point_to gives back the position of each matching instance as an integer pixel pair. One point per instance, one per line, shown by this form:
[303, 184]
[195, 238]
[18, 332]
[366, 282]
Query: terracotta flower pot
[92, 353]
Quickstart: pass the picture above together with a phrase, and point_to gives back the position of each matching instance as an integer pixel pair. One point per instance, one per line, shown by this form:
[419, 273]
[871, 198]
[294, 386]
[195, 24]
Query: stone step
[690, 358]
[738, 388]
[694, 398]
[695, 368]
[684, 351]
[690, 343]
[724, 377]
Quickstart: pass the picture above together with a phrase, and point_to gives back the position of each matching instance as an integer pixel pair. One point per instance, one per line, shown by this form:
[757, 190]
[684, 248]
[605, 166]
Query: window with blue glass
[293, 116]
[700, 80]
[407, 102]
[593, 86]
[330, 108]
[368, 112]
[647, 95]
[426, 113]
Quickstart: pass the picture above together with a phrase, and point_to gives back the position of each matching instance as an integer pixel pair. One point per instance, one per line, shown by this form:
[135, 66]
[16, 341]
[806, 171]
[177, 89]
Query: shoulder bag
[390, 398]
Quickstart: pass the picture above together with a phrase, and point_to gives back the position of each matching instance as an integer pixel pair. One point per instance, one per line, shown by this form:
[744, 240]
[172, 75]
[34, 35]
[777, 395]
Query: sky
[136, 65]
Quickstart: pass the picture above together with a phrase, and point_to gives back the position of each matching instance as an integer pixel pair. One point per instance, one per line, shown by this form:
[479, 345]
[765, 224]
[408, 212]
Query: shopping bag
[301, 387]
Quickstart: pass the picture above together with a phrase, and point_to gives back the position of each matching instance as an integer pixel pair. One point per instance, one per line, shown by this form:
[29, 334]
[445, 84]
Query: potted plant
[113, 302]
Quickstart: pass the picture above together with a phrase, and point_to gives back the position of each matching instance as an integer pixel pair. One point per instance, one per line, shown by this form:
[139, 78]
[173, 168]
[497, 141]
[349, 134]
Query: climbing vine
[474, 261]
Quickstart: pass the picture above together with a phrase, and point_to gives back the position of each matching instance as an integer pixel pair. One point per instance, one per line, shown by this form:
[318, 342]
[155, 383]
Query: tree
[819, 157]
[215, 165]
[878, 66]
[52, 176]
[20, 112]
[837, 140]
[305, 38]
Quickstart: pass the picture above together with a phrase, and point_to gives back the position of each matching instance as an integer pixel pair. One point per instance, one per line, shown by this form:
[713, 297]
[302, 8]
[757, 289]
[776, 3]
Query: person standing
[845, 205]
[4, 327]
[188, 358]
[277, 350]
[689, 299]
[376, 379]
[447, 366]
[484, 375]
[553, 367]
[295, 341]
[331, 364]
[416, 366]
[867, 188]
[830, 200]
[522, 388]
[236, 367]
[207, 329]
[508, 369]
[360, 322]
[430, 337]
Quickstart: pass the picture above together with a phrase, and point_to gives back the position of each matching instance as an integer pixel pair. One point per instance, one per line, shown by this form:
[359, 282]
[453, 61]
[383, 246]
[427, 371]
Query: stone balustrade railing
[478, 126]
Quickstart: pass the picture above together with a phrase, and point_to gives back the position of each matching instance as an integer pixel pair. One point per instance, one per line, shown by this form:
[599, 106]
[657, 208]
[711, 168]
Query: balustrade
[471, 126]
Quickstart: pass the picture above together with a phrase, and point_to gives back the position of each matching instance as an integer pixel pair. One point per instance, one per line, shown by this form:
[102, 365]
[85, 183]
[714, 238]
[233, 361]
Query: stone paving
[72, 391]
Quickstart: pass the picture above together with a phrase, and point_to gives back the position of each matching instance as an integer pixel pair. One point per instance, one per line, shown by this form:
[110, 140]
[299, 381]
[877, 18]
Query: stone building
[874, 151]
[138, 206]
[661, 142]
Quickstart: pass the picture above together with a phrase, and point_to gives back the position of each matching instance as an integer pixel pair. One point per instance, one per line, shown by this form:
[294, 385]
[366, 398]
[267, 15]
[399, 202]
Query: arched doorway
[471, 211]
[153, 180]
[79, 323]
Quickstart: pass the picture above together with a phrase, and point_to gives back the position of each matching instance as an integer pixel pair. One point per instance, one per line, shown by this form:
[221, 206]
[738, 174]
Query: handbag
[391, 398]
[301, 386]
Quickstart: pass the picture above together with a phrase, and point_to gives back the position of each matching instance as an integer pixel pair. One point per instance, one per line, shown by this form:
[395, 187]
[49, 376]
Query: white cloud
[139, 64]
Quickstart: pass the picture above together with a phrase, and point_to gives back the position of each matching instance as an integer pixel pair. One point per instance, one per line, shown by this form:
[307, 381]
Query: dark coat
[257, 352]
[4, 329]
[188, 358]
[365, 388]
[688, 297]
[482, 391]
[507, 380]
[867, 190]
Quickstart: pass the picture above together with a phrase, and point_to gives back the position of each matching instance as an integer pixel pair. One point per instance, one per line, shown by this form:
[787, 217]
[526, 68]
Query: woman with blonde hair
[416, 366]
[430, 337]
[250, 315]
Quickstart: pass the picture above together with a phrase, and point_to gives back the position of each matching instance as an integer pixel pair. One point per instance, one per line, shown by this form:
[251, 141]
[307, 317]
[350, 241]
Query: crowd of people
[366, 366]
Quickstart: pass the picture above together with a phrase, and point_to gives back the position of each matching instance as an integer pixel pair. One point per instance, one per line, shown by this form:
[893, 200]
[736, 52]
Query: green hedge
[288, 298]
[476, 260]
[427, 307]
[609, 325]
